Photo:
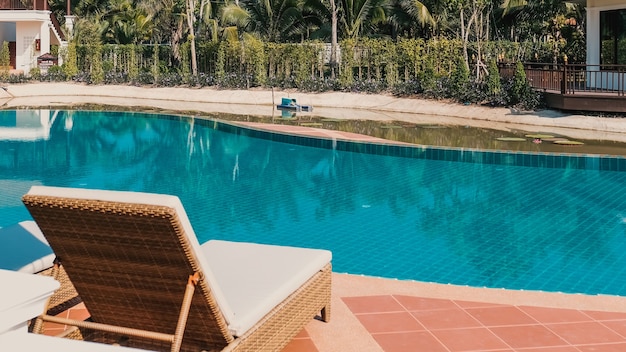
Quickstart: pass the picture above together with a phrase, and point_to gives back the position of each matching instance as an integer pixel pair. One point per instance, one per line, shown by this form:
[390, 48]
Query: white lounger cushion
[24, 248]
[255, 278]
[274, 271]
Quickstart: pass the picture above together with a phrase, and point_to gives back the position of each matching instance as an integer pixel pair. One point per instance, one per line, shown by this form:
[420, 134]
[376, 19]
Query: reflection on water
[446, 135]
[463, 223]
[26, 125]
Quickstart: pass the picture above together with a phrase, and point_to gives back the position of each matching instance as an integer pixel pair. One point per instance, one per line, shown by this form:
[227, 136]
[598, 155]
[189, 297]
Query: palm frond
[510, 6]
[230, 33]
[234, 15]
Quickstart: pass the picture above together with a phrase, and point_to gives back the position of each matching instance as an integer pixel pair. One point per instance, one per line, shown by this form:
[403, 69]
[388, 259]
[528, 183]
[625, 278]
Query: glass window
[613, 37]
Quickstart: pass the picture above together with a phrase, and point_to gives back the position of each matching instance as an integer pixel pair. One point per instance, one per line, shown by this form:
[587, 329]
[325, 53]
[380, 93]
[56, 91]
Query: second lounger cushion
[24, 248]
[255, 278]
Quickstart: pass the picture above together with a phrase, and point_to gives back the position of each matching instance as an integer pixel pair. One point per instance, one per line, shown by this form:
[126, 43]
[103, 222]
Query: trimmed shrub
[494, 85]
[521, 93]
[459, 81]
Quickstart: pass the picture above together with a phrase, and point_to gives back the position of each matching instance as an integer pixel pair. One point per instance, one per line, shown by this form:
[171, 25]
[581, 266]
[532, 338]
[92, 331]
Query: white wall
[44, 36]
[26, 55]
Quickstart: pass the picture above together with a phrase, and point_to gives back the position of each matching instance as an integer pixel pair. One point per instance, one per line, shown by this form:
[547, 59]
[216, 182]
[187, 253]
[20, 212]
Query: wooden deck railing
[573, 78]
[23, 5]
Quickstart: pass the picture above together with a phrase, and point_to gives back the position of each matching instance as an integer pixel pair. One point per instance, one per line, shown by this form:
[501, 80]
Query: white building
[30, 28]
[606, 32]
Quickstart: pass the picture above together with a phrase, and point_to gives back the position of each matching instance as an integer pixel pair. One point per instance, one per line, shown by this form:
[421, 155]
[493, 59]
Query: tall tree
[191, 19]
[333, 38]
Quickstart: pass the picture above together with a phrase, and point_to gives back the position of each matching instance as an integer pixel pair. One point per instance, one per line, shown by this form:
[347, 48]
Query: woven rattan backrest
[130, 263]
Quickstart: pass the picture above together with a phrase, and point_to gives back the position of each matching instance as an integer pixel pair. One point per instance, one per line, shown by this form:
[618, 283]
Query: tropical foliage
[292, 21]
[402, 46]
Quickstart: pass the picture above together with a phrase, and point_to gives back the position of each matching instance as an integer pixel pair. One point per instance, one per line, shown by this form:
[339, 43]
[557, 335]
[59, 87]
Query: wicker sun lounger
[147, 283]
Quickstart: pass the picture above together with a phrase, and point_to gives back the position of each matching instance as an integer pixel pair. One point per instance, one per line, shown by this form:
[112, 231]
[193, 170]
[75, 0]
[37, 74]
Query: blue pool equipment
[292, 105]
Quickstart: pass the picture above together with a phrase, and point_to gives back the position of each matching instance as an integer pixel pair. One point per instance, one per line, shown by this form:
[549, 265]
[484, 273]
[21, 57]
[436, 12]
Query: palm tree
[510, 6]
[114, 21]
[407, 15]
[168, 17]
[532, 19]
[128, 24]
[359, 16]
[90, 31]
[321, 18]
[232, 18]
[276, 20]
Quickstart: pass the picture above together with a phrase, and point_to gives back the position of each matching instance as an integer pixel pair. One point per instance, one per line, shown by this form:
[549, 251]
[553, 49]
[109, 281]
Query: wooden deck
[578, 87]
[596, 102]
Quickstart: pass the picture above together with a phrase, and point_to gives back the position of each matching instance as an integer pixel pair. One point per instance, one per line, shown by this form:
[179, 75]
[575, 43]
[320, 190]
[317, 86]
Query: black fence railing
[573, 78]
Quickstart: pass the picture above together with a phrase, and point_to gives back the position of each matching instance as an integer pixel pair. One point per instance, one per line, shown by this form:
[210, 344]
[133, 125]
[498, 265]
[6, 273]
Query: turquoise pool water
[495, 219]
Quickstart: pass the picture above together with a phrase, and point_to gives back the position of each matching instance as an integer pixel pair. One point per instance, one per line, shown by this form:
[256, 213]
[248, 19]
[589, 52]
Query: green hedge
[404, 67]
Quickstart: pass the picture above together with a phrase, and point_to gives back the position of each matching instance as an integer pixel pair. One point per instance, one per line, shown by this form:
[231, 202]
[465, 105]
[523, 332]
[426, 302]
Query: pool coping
[310, 136]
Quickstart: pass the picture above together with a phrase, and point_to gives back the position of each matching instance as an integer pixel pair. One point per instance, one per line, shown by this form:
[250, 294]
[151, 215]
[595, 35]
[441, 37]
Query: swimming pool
[478, 218]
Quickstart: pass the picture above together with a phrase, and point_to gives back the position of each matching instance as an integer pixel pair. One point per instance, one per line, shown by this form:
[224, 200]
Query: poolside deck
[578, 87]
[375, 314]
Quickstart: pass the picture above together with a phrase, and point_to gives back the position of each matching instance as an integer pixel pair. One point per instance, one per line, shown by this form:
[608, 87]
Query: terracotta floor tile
[585, 333]
[78, 314]
[551, 349]
[303, 334]
[372, 304]
[551, 315]
[619, 326]
[419, 303]
[389, 322]
[501, 316]
[476, 339]
[605, 315]
[617, 347]
[470, 304]
[446, 319]
[52, 329]
[416, 341]
[300, 345]
[401, 323]
[526, 336]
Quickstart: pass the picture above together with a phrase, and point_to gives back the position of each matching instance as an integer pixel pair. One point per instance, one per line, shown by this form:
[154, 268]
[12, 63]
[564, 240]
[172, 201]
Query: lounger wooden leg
[184, 312]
